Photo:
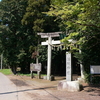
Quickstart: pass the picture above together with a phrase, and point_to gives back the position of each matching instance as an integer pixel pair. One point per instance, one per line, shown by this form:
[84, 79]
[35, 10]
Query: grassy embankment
[6, 71]
[9, 72]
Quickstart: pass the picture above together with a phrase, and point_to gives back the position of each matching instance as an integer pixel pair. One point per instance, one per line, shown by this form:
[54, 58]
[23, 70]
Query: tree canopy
[15, 37]
[19, 23]
[81, 20]
[35, 17]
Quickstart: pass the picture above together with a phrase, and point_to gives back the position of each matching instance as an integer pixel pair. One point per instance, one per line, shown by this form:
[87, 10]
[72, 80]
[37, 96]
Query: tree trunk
[82, 68]
[13, 69]
[82, 71]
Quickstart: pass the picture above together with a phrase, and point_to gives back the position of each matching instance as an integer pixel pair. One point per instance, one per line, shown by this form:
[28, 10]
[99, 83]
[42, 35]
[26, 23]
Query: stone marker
[68, 84]
[68, 67]
[71, 86]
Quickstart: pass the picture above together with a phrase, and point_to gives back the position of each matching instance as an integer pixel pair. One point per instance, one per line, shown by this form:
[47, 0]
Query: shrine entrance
[49, 42]
[61, 66]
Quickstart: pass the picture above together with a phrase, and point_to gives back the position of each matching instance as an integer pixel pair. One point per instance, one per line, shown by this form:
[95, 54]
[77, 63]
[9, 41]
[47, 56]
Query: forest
[20, 21]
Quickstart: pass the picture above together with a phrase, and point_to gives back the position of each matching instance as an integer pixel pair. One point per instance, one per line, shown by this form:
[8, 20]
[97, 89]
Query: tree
[19, 24]
[81, 18]
[15, 37]
[38, 21]
[35, 17]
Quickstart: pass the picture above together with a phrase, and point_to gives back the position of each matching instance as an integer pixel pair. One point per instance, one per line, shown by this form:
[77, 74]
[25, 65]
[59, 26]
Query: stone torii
[49, 43]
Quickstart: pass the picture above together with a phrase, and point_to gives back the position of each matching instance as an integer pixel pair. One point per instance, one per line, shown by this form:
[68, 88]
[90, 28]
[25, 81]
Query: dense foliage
[14, 37]
[35, 17]
[21, 20]
[19, 23]
[81, 20]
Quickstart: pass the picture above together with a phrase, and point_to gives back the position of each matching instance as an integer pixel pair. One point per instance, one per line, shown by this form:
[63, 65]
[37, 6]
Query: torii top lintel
[52, 34]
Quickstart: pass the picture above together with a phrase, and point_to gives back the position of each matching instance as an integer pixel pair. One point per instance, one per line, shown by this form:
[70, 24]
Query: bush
[95, 80]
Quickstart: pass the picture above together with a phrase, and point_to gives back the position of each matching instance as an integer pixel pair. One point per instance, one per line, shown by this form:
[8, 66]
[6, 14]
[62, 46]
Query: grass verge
[6, 71]
[35, 74]
[9, 72]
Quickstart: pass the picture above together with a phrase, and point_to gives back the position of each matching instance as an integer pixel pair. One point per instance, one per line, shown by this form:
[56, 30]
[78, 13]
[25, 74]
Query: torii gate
[49, 43]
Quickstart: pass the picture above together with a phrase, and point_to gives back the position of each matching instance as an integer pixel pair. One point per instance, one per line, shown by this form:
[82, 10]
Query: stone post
[68, 67]
[49, 58]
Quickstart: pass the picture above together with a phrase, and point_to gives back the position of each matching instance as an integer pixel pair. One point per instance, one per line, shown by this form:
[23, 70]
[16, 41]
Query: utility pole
[1, 60]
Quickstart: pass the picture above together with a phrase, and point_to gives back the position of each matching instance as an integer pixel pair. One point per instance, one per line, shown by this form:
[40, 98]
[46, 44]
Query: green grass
[6, 71]
[35, 74]
[23, 74]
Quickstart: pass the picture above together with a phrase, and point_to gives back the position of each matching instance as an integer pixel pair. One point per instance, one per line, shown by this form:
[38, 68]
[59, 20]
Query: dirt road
[9, 91]
[23, 88]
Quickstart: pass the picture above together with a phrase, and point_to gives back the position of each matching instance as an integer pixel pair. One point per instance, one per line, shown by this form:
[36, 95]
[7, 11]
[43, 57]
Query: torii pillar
[49, 43]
